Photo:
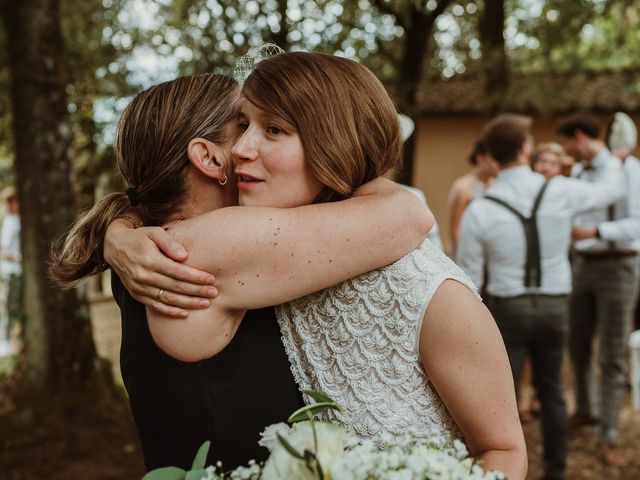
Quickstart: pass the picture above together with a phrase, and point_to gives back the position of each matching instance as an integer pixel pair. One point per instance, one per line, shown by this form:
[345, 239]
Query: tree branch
[440, 8]
[386, 8]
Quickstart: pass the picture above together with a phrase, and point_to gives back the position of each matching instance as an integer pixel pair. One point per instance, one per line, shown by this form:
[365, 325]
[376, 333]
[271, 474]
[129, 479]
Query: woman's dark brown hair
[151, 153]
[347, 123]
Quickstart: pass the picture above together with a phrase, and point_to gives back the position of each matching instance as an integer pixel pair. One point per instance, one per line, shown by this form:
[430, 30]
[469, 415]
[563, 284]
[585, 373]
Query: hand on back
[148, 260]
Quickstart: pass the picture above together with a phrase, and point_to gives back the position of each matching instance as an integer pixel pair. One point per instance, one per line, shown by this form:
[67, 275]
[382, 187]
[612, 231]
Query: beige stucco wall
[442, 147]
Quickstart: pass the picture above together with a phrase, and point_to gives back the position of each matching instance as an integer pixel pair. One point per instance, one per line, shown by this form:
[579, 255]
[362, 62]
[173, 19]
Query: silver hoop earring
[223, 182]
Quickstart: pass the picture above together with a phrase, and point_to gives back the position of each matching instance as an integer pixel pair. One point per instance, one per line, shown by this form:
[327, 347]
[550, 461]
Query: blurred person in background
[407, 127]
[469, 186]
[10, 269]
[549, 159]
[622, 140]
[605, 266]
[521, 231]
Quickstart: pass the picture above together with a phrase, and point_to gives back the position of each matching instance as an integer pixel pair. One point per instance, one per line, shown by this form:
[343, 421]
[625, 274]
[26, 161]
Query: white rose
[282, 465]
[269, 437]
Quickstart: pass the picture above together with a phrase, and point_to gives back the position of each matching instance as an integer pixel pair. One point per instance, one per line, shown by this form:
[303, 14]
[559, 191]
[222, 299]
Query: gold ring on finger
[160, 292]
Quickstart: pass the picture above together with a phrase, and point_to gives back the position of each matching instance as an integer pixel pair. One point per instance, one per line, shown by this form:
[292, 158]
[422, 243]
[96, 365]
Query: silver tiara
[246, 63]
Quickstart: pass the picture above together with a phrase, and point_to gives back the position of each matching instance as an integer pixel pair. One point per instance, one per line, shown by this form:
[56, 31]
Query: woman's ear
[206, 157]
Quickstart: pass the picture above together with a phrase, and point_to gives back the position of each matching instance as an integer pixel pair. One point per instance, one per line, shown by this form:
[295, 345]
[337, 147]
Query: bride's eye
[274, 130]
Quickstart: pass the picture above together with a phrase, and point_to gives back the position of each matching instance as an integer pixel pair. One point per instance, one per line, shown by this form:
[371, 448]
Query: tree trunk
[59, 359]
[418, 30]
[494, 57]
[416, 43]
[281, 38]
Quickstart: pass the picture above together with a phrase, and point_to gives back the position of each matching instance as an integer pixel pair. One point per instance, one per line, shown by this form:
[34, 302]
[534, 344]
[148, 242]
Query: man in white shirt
[521, 231]
[10, 263]
[622, 140]
[606, 271]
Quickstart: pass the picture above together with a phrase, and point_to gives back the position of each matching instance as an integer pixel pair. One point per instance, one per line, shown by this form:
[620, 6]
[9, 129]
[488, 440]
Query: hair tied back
[133, 196]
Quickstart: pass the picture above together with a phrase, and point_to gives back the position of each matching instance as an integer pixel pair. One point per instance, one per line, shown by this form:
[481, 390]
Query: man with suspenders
[521, 231]
[606, 267]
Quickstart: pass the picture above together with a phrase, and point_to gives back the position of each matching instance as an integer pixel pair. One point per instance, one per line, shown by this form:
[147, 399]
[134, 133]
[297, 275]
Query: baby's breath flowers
[314, 450]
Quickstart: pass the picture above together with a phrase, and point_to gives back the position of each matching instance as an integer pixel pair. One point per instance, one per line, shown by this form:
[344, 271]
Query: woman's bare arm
[459, 199]
[267, 256]
[464, 356]
[375, 227]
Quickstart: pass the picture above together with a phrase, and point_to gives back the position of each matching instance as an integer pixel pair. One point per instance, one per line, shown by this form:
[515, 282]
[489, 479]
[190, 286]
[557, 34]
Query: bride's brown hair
[347, 123]
[151, 154]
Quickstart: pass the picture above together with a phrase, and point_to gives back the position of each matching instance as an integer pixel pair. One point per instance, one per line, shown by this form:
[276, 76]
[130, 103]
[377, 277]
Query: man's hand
[148, 261]
[579, 232]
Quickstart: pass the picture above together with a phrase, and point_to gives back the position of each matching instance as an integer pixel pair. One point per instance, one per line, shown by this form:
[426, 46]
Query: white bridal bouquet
[314, 450]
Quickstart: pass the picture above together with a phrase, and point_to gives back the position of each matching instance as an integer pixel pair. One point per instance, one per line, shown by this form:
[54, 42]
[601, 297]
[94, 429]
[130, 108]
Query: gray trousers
[602, 303]
[537, 325]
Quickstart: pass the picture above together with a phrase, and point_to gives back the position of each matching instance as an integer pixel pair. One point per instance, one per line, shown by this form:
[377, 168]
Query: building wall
[442, 147]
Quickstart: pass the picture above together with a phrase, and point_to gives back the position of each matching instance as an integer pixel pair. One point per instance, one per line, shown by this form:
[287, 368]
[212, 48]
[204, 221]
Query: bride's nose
[245, 148]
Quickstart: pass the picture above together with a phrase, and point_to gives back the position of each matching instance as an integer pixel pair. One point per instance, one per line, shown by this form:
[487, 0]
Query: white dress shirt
[624, 230]
[622, 233]
[10, 246]
[492, 235]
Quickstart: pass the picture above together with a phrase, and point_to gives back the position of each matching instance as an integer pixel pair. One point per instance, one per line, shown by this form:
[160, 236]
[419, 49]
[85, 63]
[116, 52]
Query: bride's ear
[206, 157]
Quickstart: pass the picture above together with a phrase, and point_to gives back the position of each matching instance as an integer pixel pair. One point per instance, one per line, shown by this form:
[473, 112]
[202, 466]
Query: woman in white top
[403, 349]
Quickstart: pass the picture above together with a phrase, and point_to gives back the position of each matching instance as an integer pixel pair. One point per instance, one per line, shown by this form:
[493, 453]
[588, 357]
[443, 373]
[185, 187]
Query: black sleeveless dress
[227, 399]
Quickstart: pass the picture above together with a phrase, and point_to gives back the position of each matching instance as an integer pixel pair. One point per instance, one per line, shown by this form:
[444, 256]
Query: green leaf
[287, 446]
[201, 456]
[313, 464]
[198, 474]
[303, 413]
[165, 473]
[318, 396]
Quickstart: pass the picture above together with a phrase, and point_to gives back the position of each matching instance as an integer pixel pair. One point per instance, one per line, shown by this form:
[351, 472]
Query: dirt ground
[111, 451]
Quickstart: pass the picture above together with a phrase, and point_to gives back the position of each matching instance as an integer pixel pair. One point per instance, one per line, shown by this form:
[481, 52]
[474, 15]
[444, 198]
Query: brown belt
[606, 254]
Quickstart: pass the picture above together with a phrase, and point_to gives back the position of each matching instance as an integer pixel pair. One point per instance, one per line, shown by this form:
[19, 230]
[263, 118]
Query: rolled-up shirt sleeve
[626, 229]
[607, 187]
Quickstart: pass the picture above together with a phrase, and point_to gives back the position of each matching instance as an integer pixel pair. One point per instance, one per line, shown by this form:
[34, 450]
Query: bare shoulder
[456, 322]
[462, 189]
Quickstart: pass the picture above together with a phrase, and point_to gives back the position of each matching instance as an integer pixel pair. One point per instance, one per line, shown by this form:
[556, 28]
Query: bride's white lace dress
[358, 343]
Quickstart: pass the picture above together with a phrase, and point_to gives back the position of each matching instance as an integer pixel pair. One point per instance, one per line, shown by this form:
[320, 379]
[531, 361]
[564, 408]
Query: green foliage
[103, 36]
[197, 471]
[201, 457]
[303, 413]
[289, 448]
[97, 48]
[166, 473]
[578, 35]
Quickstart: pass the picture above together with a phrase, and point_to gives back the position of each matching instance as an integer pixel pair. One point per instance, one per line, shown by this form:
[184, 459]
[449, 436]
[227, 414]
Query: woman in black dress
[173, 149]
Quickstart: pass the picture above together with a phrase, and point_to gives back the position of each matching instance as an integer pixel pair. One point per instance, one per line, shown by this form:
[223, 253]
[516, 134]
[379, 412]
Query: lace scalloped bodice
[358, 343]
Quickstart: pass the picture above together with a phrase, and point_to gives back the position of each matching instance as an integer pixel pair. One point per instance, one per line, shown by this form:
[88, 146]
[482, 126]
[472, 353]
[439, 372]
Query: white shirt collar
[513, 172]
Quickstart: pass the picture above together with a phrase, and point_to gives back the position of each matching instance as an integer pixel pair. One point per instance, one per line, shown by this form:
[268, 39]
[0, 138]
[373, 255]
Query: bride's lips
[246, 181]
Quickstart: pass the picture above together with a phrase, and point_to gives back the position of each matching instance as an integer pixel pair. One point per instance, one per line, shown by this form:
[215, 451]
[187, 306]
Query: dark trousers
[602, 302]
[537, 325]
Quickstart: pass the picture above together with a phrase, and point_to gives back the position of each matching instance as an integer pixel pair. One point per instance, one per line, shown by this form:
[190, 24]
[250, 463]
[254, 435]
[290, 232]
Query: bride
[403, 349]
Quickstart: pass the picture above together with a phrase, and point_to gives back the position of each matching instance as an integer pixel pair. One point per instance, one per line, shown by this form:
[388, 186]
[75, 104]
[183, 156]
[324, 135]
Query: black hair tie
[133, 196]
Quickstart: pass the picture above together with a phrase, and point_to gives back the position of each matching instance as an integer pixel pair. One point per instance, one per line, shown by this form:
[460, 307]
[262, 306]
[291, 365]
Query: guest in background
[622, 140]
[550, 160]
[521, 231]
[10, 269]
[468, 187]
[606, 266]
[407, 127]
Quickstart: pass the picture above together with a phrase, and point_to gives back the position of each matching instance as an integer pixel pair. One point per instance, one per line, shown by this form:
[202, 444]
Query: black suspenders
[532, 268]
